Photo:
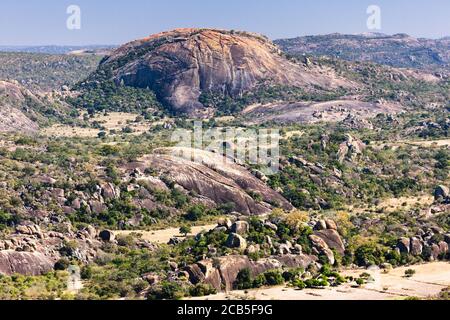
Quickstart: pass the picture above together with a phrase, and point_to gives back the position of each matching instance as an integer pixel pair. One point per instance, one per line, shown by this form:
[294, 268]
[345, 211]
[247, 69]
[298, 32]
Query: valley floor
[164, 236]
[428, 282]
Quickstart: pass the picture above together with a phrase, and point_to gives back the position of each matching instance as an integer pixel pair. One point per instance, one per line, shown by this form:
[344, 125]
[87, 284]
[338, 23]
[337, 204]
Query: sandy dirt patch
[393, 204]
[111, 121]
[163, 236]
[416, 144]
[291, 134]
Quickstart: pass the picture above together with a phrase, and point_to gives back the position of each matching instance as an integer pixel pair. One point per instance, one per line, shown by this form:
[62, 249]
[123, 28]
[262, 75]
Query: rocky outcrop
[350, 148]
[182, 64]
[416, 246]
[110, 191]
[425, 244]
[236, 241]
[314, 112]
[322, 248]
[221, 273]
[442, 194]
[211, 177]
[326, 238]
[403, 245]
[354, 122]
[33, 249]
[13, 101]
[240, 227]
[333, 240]
[26, 263]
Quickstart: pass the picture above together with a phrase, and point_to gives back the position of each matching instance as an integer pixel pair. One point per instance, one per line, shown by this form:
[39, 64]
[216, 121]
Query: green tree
[185, 230]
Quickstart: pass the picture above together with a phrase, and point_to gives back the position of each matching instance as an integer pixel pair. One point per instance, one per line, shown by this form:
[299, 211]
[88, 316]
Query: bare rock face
[404, 245]
[416, 246]
[240, 227]
[182, 64]
[332, 239]
[314, 112]
[236, 241]
[13, 99]
[222, 272]
[323, 248]
[441, 193]
[213, 178]
[109, 191]
[350, 148]
[26, 263]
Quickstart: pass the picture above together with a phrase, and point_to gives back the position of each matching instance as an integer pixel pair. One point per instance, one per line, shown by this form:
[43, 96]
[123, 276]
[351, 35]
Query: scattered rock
[252, 249]
[441, 193]
[331, 224]
[29, 229]
[333, 240]
[225, 223]
[271, 225]
[236, 241]
[416, 247]
[350, 148]
[320, 225]
[443, 247]
[404, 245]
[174, 241]
[240, 227]
[109, 191]
[284, 249]
[221, 273]
[322, 248]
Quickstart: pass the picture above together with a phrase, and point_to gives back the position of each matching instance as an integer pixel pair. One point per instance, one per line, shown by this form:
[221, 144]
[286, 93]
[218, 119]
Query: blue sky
[43, 22]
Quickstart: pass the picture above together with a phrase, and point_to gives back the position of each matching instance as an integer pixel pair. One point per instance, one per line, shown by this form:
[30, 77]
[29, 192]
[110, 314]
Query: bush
[299, 284]
[316, 283]
[244, 280]
[273, 278]
[195, 213]
[369, 254]
[201, 290]
[185, 230]
[292, 274]
[259, 281]
[409, 273]
[86, 273]
[62, 264]
[6, 220]
[167, 291]
[360, 281]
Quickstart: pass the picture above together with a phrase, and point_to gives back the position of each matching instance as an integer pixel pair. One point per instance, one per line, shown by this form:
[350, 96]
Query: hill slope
[23, 111]
[182, 65]
[46, 72]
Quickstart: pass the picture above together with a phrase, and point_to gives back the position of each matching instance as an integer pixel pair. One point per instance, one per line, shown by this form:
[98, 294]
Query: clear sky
[43, 22]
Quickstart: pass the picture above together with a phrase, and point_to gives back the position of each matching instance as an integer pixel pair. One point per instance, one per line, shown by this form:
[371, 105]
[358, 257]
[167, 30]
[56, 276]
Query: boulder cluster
[221, 272]
[425, 244]
[30, 250]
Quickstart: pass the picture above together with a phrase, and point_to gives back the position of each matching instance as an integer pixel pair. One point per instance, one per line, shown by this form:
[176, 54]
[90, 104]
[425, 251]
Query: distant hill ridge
[398, 50]
[55, 49]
